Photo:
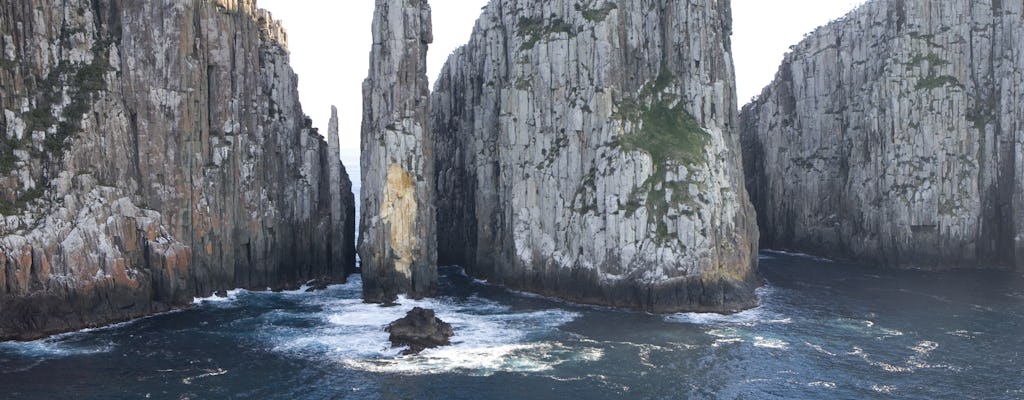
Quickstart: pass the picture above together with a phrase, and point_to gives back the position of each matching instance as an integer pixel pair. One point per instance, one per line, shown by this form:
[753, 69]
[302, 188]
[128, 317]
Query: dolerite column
[397, 242]
[342, 203]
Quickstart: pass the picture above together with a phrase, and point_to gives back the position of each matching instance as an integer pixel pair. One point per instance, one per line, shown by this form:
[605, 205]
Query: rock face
[589, 151]
[343, 203]
[154, 151]
[397, 245]
[892, 137]
[419, 330]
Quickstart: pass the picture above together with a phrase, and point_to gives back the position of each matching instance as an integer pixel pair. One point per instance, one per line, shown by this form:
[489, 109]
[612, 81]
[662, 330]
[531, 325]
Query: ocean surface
[824, 331]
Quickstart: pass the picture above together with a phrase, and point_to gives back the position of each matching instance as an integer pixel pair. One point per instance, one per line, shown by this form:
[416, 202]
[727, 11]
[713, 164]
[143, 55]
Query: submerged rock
[588, 150]
[153, 152]
[419, 330]
[892, 136]
[397, 240]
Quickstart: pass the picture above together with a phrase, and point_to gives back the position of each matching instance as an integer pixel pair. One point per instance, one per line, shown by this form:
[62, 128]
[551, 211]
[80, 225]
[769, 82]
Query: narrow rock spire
[398, 233]
[342, 216]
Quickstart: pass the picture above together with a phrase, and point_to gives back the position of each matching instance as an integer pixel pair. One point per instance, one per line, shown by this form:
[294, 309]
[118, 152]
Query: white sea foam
[480, 360]
[725, 341]
[734, 336]
[489, 337]
[886, 389]
[770, 343]
[70, 343]
[232, 295]
[800, 255]
[55, 348]
[888, 367]
[754, 316]
[206, 374]
[866, 328]
[820, 349]
[821, 384]
[965, 334]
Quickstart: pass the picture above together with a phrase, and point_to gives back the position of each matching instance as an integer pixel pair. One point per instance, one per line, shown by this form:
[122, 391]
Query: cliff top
[270, 29]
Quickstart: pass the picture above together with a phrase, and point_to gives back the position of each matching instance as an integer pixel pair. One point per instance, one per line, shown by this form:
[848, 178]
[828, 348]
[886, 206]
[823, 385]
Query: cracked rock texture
[589, 150]
[892, 137]
[152, 152]
[397, 245]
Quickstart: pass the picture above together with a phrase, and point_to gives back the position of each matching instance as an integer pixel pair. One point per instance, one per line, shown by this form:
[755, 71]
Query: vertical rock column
[397, 242]
[342, 202]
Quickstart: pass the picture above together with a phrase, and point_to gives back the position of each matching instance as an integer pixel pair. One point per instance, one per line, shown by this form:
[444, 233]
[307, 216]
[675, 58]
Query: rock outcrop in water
[397, 245]
[419, 330]
[892, 136]
[588, 150]
[154, 151]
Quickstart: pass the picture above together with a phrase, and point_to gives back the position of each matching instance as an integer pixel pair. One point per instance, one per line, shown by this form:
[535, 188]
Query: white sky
[330, 46]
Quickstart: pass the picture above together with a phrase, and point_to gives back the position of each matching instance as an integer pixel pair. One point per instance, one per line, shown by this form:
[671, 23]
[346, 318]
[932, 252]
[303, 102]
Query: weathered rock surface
[397, 245]
[154, 151]
[419, 330]
[589, 150]
[343, 203]
[892, 137]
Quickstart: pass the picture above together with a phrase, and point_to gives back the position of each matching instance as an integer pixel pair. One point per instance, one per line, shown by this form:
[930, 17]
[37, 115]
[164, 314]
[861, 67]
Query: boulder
[419, 330]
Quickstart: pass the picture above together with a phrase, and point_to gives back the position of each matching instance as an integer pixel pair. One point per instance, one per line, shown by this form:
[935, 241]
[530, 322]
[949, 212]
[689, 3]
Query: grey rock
[343, 204]
[419, 329]
[589, 150]
[153, 152]
[397, 245]
[891, 137]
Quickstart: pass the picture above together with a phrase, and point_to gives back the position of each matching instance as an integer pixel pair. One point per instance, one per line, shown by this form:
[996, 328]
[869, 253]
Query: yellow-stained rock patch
[398, 212]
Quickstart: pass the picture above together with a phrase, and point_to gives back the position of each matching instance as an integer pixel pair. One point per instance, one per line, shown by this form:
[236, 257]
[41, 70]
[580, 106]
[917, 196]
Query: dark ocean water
[824, 331]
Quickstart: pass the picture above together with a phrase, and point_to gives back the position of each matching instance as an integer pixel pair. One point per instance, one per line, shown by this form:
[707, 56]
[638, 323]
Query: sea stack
[892, 137]
[153, 152]
[589, 150]
[397, 241]
[343, 210]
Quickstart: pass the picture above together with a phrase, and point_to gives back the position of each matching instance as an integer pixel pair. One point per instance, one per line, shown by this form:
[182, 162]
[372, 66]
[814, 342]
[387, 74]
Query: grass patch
[523, 84]
[984, 112]
[533, 30]
[669, 134]
[7, 208]
[18, 206]
[7, 157]
[933, 61]
[667, 131]
[8, 64]
[596, 14]
[932, 82]
[585, 194]
[933, 79]
[84, 80]
[672, 137]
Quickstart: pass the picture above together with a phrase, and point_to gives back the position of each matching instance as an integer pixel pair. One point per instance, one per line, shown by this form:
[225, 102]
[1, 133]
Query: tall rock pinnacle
[397, 242]
[343, 212]
[588, 150]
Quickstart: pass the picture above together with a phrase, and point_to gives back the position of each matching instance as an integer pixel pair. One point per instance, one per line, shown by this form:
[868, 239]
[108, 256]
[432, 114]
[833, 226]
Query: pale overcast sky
[330, 46]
